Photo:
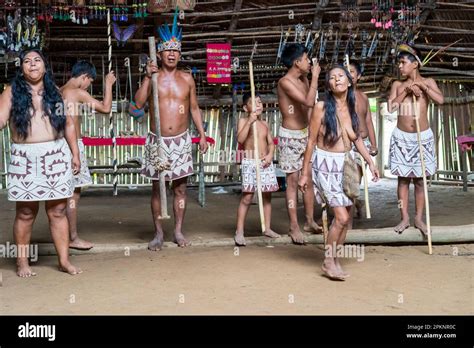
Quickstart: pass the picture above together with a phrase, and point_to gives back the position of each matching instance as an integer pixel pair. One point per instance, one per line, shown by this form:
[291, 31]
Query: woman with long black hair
[44, 156]
[333, 126]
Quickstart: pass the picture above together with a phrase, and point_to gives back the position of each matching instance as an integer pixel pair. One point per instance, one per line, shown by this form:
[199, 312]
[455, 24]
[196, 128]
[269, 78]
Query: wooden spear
[156, 109]
[255, 142]
[423, 169]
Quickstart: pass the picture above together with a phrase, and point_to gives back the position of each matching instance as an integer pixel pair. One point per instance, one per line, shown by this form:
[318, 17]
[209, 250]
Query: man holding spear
[412, 152]
[177, 98]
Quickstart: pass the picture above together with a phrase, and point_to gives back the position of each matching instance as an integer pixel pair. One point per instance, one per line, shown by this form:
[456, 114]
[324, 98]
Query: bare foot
[332, 272]
[402, 226]
[296, 236]
[180, 240]
[80, 244]
[271, 234]
[339, 268]
[157, 242]
[239, 239]
[23, 270]
[419, 224]
[313, 227]
[70, 269]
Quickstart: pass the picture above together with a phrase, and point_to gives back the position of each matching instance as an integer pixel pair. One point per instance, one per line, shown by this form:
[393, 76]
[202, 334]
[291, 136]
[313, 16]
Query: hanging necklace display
[349, 17]
[382, 11]
[299, 33]
[336, 48]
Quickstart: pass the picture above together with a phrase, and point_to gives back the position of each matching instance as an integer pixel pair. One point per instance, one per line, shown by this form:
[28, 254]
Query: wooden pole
[111, 114]
[256, 152]
[366, 188]
[423, 169]
[156, 109]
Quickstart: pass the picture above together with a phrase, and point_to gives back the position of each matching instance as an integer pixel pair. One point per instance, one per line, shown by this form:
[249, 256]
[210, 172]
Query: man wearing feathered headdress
[404, 158]
[177, 96]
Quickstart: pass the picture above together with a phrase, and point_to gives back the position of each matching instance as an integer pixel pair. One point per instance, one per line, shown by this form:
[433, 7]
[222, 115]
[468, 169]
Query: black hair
[22, 103]
[292, 52]
[84, 67]
[408, 55]
[330, 120]
[247, 96]
[357, 66]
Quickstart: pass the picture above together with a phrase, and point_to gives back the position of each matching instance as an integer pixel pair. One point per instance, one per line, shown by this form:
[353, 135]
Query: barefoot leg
[71, 212]
[245, 202]
[308, 198]
[419, 206]
[157, 242]
[58, 224]
[291, 203]
[179, 207]
[403, 189]
[267, 210]
[336, 232]
[26, 213]
[355, 207]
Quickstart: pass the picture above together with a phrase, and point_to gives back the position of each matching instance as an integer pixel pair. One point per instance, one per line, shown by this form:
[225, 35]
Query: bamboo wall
[218, 160]
[447, 122]
[453, 118]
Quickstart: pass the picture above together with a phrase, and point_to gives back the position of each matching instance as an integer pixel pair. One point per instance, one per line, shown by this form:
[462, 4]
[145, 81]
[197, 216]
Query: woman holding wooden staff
[412, 152]
[333, 127]
[177, 99]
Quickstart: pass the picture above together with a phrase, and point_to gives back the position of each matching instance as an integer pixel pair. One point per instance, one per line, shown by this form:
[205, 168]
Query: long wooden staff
[255, 141]
[111, 114]
[362, 162]
[423, 169]
[156, 109]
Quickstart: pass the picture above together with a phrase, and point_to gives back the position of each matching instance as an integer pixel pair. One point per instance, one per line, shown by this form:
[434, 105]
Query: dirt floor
[260, 280]
[283, 279]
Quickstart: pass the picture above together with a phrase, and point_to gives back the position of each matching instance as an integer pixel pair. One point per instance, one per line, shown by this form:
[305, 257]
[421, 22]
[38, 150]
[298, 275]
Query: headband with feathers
[170, 39]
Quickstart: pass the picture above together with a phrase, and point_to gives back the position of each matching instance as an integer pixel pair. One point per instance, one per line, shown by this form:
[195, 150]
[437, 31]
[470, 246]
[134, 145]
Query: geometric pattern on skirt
[404, 157]
[327, 178]
[291, 147]
[177, 151]
[268, 178]
[40, 171]
[84, 177]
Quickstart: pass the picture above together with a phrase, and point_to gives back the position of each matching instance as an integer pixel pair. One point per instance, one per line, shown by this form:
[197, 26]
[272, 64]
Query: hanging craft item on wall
[78, 12]
[159, 6]
[299, 33]
[218, 63]
[283, 42]
[186, 4]
[382, 11]
[120, 11]
[122, 36]
[409, 16]
[349, 14]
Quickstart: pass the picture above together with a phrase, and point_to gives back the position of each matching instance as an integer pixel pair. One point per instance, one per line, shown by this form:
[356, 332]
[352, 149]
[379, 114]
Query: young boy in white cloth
[268, 179]
[404, 158]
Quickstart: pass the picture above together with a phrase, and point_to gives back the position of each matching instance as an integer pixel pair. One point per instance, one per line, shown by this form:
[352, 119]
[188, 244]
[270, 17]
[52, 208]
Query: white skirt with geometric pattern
[40, 171]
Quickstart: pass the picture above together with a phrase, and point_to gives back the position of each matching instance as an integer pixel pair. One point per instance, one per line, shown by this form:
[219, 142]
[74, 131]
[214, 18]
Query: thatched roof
[244, 22]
